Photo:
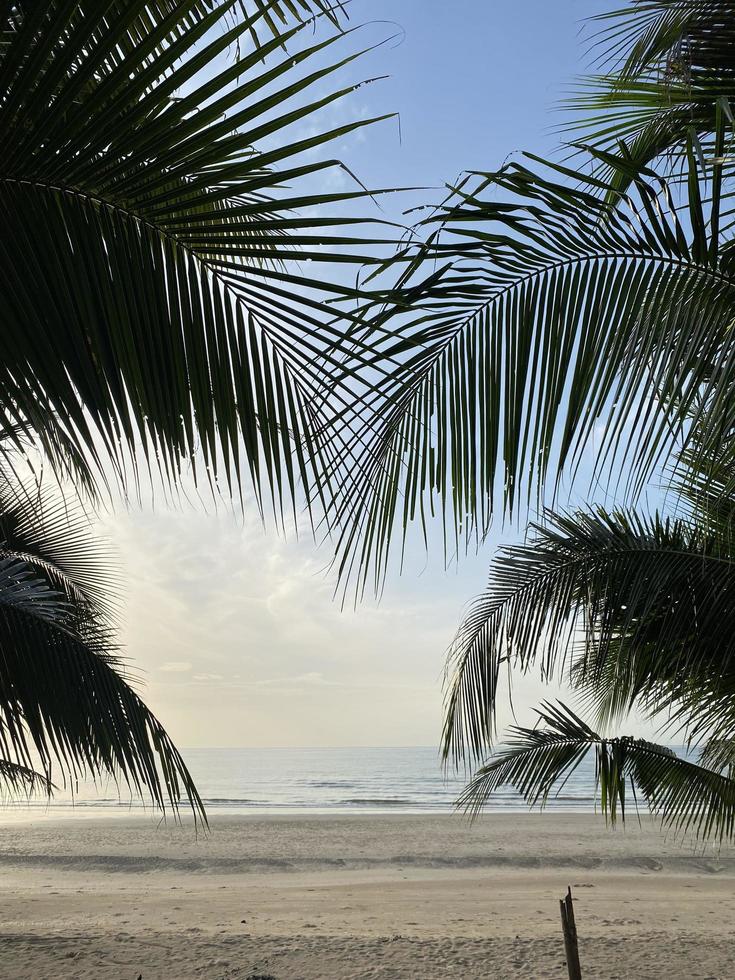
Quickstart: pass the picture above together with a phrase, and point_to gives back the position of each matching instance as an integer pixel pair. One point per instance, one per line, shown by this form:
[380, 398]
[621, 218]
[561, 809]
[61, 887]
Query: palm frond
[64, 700]
[719, 755]
[66, 704]
[20, 782]
[632, 610]
[277, 13]
[687, 797]
[157, 204]
[181, 16]
[55, 537]
[538, 761]
[671, 77]
[649, 34]
[553, 315]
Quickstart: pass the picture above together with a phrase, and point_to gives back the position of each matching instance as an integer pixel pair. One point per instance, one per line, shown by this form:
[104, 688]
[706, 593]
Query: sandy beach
[355, 897]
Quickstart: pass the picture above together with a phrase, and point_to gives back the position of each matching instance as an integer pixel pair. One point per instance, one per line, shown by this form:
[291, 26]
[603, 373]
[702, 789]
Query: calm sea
[354, 780]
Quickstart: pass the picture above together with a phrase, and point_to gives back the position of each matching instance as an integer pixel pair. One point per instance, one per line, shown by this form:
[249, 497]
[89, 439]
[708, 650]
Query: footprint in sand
[649, 864]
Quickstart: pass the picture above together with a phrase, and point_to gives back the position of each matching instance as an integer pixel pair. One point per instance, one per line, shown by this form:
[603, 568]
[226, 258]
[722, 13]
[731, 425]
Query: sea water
[342, 780]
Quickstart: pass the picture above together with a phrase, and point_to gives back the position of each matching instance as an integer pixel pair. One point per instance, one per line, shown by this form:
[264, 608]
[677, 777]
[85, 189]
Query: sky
[233, 629]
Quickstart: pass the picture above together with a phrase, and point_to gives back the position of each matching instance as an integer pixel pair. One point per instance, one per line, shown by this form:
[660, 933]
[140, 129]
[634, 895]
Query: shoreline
[383, 897]
[12, 814]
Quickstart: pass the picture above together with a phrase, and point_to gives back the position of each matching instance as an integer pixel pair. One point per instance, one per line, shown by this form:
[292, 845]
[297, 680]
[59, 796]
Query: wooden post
[569, 929]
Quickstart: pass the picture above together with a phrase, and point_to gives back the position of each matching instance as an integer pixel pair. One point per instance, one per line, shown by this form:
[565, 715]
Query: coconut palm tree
[164, 189]
[67, 706]
[637, 614]
[548, 307]
[550, 301]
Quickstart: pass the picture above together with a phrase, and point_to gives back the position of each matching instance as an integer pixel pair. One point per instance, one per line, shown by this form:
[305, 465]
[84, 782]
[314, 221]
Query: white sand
[388, 897]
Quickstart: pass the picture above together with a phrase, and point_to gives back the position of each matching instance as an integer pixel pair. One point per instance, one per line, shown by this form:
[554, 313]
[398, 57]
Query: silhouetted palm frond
[551, 314]
[161, 213]
[688, 797]
[66, 705]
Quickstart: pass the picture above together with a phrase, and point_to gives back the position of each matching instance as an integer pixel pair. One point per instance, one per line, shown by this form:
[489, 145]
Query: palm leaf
[686, 796]
[673, 74]
[180, 17]
[153, 301]
[554, 313]
[64, 701]
[279, 12]
[631, 610]
[66, 704]
[21, 782]
[51, 535]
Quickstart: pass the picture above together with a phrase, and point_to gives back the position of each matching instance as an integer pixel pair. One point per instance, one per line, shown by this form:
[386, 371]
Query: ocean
[341, 780]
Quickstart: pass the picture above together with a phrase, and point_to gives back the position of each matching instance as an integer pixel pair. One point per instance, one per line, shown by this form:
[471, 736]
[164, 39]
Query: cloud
[312, 679]
[242, 642]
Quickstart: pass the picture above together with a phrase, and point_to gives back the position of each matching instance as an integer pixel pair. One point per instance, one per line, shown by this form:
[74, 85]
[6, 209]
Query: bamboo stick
[569, 928]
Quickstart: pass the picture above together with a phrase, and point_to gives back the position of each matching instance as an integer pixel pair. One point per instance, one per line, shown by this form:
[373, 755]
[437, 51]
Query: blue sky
[235, 630]
[473, 81]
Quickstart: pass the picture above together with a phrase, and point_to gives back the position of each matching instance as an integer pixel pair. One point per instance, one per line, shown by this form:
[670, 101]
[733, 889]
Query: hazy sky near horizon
[233, 629]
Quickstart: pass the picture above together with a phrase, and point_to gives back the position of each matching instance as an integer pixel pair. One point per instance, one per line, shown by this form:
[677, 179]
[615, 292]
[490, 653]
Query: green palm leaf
[686, 796]
[635, 613]
[553, 314]
[182, 16]
[66, 704]
[152, 299]
[279, 12]
[673, 75]
[655, 32]
[631, 610]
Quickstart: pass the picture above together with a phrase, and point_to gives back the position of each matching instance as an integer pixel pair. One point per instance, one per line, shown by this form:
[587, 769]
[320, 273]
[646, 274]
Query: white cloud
[242, 642]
